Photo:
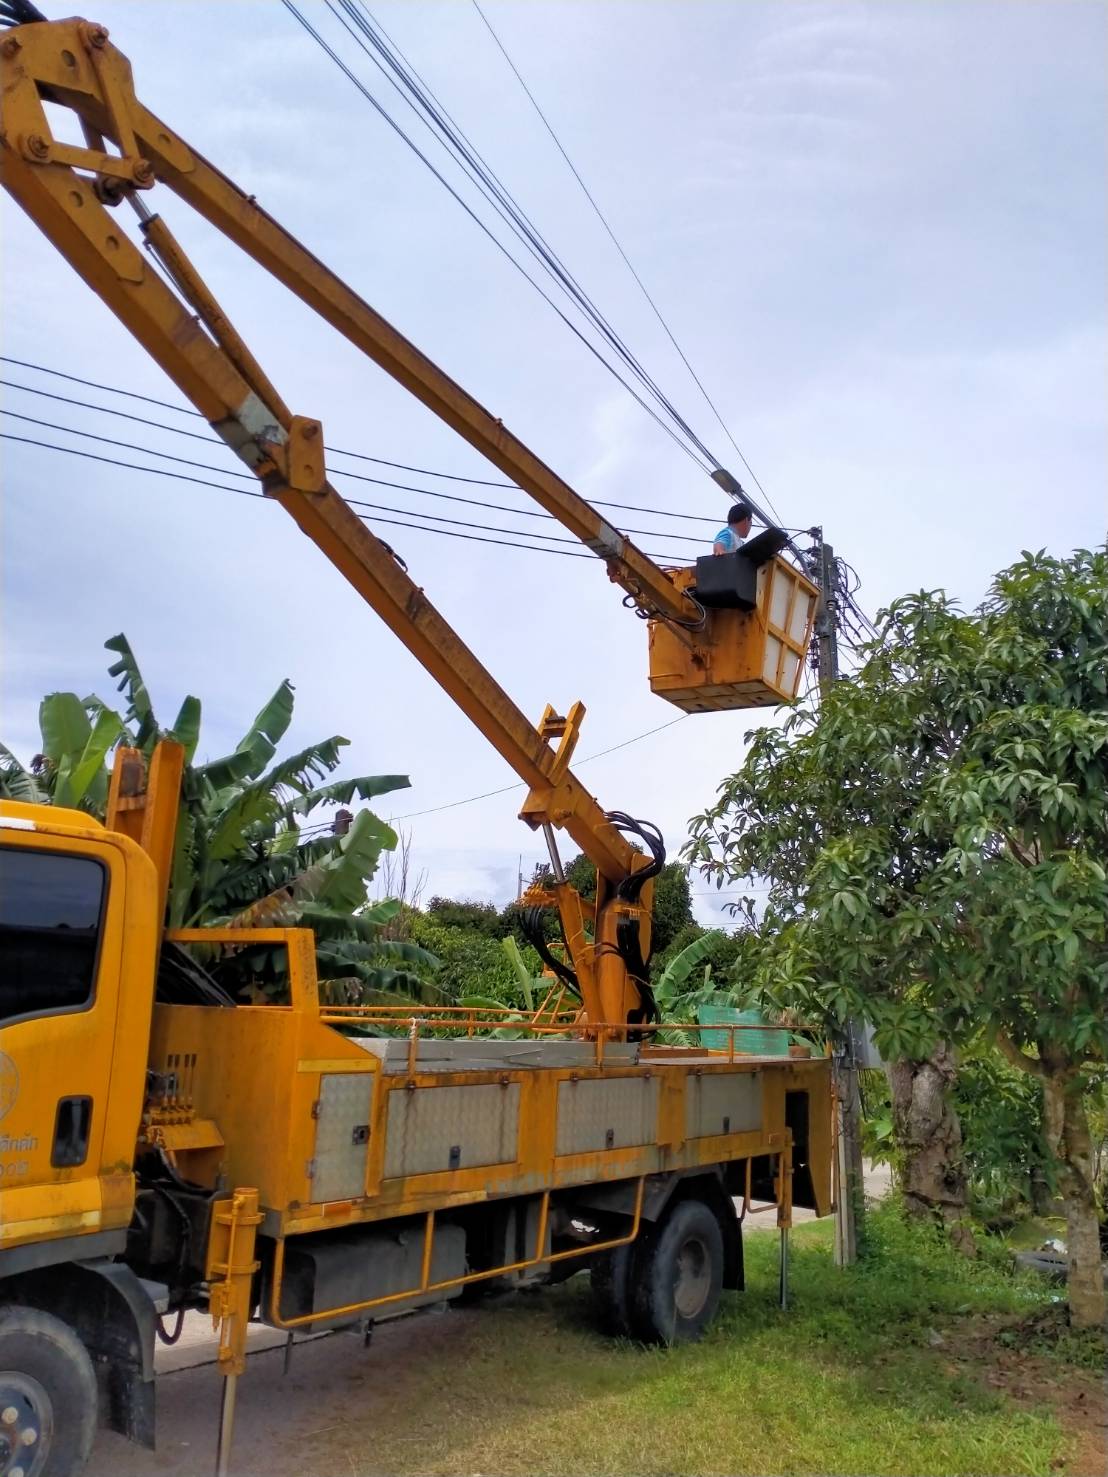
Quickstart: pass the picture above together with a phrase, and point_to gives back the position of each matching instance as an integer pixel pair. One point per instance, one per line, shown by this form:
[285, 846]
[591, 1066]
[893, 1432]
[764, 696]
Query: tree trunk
[1067, 1128]
[849, 1167]
[929, 1136]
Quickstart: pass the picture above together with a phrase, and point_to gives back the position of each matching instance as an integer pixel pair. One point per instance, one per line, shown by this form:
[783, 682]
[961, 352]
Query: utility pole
[848, 1169]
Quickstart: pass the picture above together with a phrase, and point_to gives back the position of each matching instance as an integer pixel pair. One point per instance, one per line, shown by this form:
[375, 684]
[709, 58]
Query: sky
[877, 231]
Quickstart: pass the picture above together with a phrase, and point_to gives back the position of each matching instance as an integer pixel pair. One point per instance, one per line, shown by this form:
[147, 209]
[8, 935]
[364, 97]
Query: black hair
[739, 513]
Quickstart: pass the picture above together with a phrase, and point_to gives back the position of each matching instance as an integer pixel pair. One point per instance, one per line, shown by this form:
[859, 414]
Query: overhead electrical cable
[569, 553]
[354, 502]
[248, 492]
[330, 51]
[619, 247]
[360, 23]
[464, 154]
[332, 450]
[506, 789]
[338, 472]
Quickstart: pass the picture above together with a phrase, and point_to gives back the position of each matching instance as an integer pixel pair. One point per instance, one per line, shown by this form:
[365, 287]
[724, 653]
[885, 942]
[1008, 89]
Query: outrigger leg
[230, 1272]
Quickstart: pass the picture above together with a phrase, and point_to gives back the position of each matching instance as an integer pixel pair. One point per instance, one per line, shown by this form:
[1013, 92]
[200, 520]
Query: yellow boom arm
[72, 63]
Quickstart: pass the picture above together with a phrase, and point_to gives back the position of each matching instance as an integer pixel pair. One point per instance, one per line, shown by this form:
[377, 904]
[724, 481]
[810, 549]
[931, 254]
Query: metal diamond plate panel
[439, 1128]
[722, 1102]
[342, 1135]
[606, 1113]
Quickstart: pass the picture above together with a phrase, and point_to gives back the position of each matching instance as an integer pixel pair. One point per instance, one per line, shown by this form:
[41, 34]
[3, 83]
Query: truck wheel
[679, 1276]
[48, 1398]
[610, 1275]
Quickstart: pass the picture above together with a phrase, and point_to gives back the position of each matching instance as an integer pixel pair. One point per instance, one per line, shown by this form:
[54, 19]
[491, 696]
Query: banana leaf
[140, 710]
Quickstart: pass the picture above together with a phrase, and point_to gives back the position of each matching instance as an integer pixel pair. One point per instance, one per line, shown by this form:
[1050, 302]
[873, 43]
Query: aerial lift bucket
[759, 611]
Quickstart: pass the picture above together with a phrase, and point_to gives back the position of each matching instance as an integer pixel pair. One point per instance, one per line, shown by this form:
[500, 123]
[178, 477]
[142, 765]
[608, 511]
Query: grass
[882, 1369]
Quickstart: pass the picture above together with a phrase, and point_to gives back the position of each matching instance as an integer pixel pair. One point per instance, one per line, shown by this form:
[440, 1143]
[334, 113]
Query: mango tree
[935, 839]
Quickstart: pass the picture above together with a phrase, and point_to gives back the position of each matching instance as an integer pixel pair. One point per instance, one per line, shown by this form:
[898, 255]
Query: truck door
[62, 901]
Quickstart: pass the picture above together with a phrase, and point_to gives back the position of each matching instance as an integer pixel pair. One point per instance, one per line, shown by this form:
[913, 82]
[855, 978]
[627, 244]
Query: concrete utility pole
[848, 1169]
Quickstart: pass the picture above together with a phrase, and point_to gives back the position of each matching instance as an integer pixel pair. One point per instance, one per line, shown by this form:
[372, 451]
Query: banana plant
[19, 781]
[671, 990]
[244, 854]
[71, 768]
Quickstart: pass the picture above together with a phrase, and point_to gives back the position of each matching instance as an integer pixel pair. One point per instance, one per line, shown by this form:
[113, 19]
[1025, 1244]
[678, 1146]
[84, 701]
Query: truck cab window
[50, 914]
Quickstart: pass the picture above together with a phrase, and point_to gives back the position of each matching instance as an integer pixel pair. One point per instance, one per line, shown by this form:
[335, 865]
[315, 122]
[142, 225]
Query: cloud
[876, 230]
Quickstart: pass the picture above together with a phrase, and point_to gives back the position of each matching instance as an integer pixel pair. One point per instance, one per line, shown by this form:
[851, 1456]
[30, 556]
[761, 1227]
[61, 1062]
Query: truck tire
[610, 1275]
[48, 1397]
[678, 1276]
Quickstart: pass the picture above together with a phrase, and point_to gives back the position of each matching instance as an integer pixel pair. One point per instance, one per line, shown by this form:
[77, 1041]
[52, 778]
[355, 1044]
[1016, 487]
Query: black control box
[730, 581]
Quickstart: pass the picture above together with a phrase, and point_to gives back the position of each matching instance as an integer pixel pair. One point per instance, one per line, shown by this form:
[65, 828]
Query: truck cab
[79, 935]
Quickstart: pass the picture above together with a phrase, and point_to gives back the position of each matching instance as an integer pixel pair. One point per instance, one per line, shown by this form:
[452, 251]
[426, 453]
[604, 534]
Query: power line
[447, 133]
[247, 492]
[618, 246]
[383, 112]
[333, 450]
[506, 789]
[339, 472]
[732, 892]
[406, 81]
[93, 385]
[551, 538]
[377, 518]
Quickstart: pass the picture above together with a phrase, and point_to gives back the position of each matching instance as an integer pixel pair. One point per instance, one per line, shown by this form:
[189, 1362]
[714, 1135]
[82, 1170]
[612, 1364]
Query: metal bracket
[40, 150]
[567, 730]
[113, 82]
[304, 449]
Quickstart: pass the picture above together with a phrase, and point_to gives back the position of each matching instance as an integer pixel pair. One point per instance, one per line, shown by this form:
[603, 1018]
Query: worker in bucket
[732, 538]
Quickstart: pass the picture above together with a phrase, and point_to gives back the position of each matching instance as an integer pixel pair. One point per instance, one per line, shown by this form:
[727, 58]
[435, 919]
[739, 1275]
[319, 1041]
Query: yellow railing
[425, 1286]
[568, 1025]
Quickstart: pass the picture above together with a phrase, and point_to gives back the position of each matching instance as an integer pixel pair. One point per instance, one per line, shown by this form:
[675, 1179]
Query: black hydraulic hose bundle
[650, 836]
[530, 920]
[19, 13]
[630, 890]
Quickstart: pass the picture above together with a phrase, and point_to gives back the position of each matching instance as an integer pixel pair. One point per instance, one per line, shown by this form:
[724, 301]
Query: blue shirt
[729, 539]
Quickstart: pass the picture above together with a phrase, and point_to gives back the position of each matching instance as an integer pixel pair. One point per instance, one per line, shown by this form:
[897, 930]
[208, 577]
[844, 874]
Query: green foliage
[935, 837]
[878, 1130]
[911, 1266]
[1001, 1112]
[723, 955]
[17, 782]
[672, 988]
[581, 875]
[528, 983]
[77, 736]
[1008, 1165]
[483, 918]
[470, 963]
[76, 740]
[672, 910]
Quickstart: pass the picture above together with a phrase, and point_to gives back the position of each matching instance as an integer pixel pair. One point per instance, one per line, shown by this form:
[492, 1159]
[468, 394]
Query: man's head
[738, 519]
